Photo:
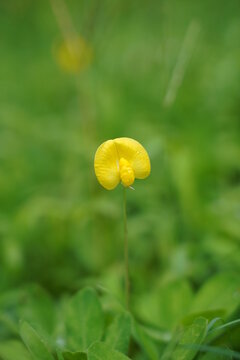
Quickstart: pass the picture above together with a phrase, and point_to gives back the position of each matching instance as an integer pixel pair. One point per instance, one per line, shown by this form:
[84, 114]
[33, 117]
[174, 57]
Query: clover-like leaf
[35, 344]
[190, 340]
[103, 351]
[118, 333]
[84, 320]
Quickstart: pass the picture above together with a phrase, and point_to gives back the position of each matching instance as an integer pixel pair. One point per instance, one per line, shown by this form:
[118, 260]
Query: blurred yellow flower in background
[121, 160]
[74, 55]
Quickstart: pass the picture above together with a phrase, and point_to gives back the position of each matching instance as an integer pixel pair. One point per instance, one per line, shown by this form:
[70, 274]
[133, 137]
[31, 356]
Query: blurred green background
[166, 73]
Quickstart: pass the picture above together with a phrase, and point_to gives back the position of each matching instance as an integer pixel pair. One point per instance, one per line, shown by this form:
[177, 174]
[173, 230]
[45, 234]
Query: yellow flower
[121, 160]
[74, 55]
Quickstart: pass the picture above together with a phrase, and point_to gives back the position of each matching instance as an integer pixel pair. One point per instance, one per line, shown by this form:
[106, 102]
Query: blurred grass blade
[226, 326]
[219, 351]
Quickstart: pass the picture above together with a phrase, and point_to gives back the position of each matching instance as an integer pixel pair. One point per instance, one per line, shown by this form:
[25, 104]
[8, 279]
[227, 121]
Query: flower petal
[135, 154]
[106, 165]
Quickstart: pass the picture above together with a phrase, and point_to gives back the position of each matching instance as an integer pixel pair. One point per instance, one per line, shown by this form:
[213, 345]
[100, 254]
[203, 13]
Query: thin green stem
[126, 256]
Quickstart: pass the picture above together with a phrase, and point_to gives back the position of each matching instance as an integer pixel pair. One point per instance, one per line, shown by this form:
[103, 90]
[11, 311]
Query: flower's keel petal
[135, 154]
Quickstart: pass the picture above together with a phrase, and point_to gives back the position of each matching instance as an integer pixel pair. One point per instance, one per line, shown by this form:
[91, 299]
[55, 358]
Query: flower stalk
[126, 251]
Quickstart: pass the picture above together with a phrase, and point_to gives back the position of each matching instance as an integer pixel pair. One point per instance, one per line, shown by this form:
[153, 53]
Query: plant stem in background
[186, 51]
[126, 260]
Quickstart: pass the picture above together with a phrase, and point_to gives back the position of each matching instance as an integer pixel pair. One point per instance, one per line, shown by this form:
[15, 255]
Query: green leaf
[144, 341]
[118, 333]
[190, 340]
[59, 355]
[102, 351]
[209, 315]
[220, 292]
[34, 343]
[157, 334]
[74, 355]
[12, 350]
[84, 320]
[161, 308]
[38, 309]
[171, 346]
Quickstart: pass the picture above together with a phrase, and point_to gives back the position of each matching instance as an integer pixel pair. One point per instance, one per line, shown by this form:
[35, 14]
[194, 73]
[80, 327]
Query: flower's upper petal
[135, 154]
[106, 165]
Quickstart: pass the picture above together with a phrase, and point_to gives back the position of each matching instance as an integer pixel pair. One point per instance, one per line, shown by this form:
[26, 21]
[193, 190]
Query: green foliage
[12, 350]
[167, 73]
[83, 330]
[36, 345]
[84, 320]
[74, 356]
[119, 332]
[190, 340]
[103, 351]
[220, 292]
[166, 306]
[38, 309]
[145, 342]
